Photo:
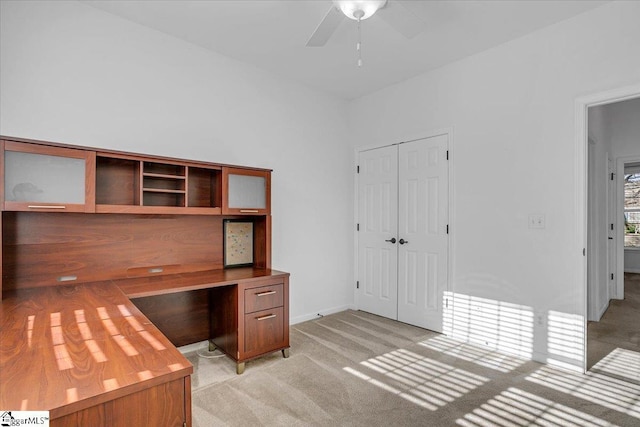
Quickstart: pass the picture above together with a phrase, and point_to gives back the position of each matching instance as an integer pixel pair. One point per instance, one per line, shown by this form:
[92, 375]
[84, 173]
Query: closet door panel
[378, 221]
[422, 231]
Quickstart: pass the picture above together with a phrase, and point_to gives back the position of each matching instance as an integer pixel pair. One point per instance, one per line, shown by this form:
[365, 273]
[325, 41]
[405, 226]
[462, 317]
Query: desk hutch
[109, 261]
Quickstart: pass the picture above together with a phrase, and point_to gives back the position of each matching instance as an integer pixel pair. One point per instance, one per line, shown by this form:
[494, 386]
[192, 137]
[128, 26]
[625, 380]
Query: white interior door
[378, 226]
[422, 231]
[403, 202]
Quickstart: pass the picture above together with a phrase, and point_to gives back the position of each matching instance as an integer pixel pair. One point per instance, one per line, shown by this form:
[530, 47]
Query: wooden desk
[90, 357]
[242, 311]
[145, 252]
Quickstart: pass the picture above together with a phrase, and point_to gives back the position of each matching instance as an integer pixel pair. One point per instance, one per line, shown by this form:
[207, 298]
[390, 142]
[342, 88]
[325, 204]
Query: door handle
[610, 238]
[402, 241]
[391, 240]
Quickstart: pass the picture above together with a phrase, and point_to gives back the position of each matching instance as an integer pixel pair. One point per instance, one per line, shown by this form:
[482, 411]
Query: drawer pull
[265, 293]
[268, 316]
[46, 207]
[249, 211]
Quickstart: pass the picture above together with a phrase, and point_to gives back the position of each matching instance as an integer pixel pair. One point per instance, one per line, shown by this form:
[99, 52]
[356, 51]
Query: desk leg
[240, 368]
[212, 346]
[285, 353]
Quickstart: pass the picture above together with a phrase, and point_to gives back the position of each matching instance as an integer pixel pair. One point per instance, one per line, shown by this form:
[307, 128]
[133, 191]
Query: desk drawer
[263, 331]
[264, 297]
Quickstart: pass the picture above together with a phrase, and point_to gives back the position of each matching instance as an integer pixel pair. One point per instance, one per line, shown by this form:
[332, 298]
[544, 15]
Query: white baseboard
[602, 310]
[311, 316]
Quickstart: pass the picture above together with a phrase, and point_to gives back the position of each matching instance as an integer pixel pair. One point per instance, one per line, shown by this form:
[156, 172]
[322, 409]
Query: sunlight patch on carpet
[418, 379]
[611, 393]
[515, 408]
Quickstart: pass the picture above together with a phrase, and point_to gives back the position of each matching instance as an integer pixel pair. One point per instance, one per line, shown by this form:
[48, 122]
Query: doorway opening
[611, 141]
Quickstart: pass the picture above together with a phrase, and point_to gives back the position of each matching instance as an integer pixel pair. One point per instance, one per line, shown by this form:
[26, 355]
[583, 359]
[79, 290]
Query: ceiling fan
[392, 11]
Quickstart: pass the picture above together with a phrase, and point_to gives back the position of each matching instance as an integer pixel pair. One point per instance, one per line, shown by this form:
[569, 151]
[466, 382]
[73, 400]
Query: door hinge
[611, 276]
[358, 284]
[447, 154]
[446, 303]
[447, 228]
[358, 169]
[612, 175]
[611, 226]
[357, 227]
[584, 251]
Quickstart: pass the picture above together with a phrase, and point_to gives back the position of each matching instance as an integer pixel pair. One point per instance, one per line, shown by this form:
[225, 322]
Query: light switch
[536, 221]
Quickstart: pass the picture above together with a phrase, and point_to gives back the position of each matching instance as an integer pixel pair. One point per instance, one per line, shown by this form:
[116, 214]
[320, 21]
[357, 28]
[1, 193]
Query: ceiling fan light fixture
[359, 9]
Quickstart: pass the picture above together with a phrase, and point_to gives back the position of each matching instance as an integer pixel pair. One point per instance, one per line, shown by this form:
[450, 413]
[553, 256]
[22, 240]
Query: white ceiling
[272, 35]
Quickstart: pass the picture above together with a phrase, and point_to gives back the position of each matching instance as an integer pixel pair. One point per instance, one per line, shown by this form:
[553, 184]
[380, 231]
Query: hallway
[613, 344]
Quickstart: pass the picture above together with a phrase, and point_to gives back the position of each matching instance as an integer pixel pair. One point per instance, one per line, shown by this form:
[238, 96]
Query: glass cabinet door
[41, 178]
[247, 191]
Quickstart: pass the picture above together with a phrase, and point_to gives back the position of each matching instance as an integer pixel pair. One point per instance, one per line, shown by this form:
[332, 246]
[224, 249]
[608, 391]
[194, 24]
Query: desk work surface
[161, 285]
[65, 348]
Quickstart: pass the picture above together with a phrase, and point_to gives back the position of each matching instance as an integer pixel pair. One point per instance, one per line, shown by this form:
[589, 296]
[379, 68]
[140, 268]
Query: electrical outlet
[536, 221]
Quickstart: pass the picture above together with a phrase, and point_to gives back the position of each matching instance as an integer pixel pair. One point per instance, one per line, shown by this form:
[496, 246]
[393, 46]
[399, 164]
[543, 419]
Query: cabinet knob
[391, 240]
[402, 241]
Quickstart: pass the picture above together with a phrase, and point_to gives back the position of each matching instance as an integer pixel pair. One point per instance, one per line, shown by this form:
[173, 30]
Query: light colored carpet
[357, 369]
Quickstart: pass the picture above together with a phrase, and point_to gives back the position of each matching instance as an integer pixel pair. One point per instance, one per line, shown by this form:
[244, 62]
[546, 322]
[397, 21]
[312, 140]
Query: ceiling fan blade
[326, 28]
[402, 19]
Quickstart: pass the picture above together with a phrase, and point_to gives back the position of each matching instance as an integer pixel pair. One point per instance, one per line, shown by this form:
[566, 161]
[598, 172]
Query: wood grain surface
[39, 248]
[182, 317]
[147, 286]
[69, 348]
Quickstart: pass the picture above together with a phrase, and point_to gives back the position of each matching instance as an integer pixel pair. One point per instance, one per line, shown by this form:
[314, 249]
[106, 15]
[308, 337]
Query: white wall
[70, 73]
[511, 109]
[624, 127]
[632, 261]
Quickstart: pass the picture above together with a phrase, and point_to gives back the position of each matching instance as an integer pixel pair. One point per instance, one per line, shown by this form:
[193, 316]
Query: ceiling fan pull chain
[359, 44]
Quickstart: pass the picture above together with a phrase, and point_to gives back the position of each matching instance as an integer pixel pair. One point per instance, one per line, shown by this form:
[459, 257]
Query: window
[632, 210]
